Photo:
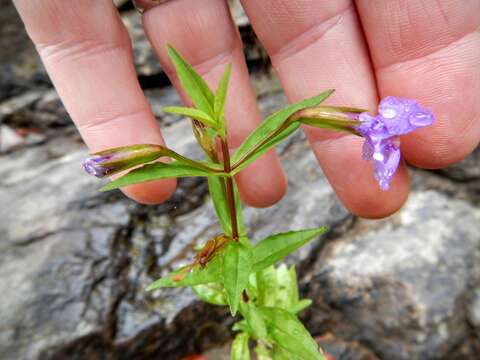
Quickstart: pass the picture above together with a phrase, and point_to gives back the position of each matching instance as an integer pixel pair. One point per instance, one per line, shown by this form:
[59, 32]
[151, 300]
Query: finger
[87, 53]
[316, 45]
[203, 32]
[430, 51]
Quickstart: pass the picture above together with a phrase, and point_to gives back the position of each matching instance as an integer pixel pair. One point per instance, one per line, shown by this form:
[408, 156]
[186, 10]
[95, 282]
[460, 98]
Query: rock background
[74, 261]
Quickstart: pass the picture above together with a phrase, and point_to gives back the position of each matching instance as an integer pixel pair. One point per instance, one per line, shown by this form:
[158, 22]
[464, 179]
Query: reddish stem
[229, 189]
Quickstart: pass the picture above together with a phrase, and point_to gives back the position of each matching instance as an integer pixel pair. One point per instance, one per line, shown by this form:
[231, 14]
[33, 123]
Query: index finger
[430, 51]
[87, 53]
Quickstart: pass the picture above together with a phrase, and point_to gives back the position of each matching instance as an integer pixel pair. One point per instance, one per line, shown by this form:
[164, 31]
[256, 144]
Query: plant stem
[229, 188]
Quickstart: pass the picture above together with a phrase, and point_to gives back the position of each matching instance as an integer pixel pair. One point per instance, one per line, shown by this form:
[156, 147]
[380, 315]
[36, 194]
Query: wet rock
[339, 349]
[145, 59]
[466, 170]
[400, 285]
[37, 109]
[9, 139]
[21, 68]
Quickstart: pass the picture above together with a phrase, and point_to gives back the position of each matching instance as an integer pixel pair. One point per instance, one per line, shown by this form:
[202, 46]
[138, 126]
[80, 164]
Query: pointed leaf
[193, 84]
[290, 334]
[267, 146]
[275, 247]
[192, 113]
[236, 271]
[254, 320]
[221, 93]
[157, 171]
[300, 306]
[211, 293]
[240, 350]
[272, 124]
[211, 272]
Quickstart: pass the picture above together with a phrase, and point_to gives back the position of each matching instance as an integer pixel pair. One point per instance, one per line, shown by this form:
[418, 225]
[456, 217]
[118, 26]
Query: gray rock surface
[75, 262]
[466, 170]
[401, 285]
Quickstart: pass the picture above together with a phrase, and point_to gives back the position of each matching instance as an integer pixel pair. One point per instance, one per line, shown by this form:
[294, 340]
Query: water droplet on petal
[388, 113]
[421, 119]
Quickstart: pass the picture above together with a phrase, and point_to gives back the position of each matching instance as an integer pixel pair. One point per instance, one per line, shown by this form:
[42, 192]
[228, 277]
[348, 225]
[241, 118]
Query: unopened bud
[329, 117]
[114, 160]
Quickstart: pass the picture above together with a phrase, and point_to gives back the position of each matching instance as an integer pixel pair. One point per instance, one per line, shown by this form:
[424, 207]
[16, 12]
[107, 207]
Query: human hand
[425, 50]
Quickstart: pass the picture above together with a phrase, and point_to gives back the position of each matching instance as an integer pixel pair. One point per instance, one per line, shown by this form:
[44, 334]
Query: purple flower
[94, 166]
[396, 116]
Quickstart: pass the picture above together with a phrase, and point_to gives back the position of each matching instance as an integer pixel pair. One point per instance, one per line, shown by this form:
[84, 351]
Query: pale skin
[366, 49]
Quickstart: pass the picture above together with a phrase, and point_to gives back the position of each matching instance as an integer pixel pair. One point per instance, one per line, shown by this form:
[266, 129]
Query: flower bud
[329, 117]
[114, 160]
[204, 140]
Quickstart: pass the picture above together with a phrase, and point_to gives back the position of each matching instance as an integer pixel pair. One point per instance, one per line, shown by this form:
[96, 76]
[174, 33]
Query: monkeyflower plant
[229, 269]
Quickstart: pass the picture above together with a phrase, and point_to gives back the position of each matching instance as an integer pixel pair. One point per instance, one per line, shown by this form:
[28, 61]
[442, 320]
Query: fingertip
[374, 203]
[353, 180]
[263, 183]
[430, 153]
[152, 192]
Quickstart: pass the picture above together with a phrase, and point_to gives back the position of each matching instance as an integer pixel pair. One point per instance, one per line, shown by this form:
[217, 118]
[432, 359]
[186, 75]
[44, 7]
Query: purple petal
[93, 166]
[386, 166]
[396, 116]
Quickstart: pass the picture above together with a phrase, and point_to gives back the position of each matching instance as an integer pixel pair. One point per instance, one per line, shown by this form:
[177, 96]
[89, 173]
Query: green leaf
[211, 272]
[211, 293]
[262, 352]
[157, 171]
[240, 350]
[192, 113]
[287, 295]
[236, 271]
[254, 320]
[300, 306]
[267, 146]
[193, 84]
[272, 124]
[275, 247]
[221, 93]
[267, 286]
[281, 354]
[242, 326]
[217, 193]
[289, 333]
